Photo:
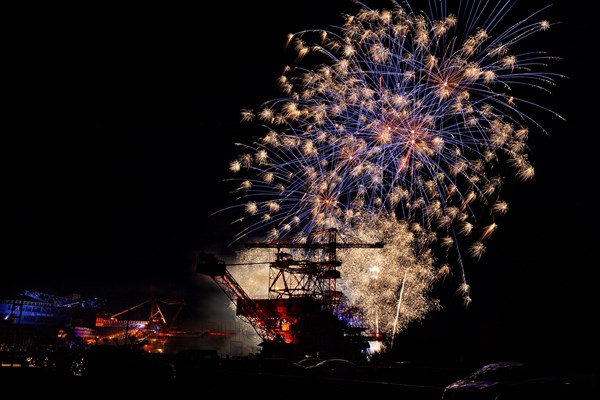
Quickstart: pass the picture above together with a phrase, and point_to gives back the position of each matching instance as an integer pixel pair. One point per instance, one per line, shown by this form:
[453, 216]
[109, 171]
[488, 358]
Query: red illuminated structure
[152, 332]
[304, 313]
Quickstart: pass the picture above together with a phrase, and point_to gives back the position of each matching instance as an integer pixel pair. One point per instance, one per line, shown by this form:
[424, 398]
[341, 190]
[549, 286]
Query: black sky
[120, 125]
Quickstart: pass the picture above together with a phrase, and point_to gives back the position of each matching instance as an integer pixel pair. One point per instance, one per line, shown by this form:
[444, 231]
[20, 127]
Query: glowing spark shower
[373, 281]
[410, 118]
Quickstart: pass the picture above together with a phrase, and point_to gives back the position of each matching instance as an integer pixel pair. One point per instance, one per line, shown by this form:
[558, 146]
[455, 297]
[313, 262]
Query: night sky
[123, 124]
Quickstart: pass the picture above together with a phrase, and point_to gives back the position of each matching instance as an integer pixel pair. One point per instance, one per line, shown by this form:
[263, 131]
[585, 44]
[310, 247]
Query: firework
[390, 287]
[416, 115]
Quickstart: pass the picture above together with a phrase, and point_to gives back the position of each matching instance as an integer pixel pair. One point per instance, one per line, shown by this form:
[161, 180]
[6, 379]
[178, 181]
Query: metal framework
[315, 278]
[62, 301]
[302, 293]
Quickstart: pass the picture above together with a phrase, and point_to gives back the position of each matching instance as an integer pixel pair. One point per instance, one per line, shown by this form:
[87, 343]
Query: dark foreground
[34, 383]
[380, 382]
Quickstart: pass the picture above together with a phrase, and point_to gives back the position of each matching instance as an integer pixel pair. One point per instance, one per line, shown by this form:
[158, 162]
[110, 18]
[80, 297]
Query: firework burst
[390, 287]
[419, 115]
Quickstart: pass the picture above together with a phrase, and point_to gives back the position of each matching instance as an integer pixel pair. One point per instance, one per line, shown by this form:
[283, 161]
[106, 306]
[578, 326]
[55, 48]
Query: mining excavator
[305, 313]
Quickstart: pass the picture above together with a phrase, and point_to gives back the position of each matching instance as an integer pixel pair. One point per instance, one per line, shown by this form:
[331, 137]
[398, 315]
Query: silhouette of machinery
[156, 319]
[74, 301]
[124, 326]
[304, 312]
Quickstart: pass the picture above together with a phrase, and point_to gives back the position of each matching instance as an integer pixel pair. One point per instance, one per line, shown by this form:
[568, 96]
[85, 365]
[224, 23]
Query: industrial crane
[151, 332]
[156, 320]
[302, 313]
